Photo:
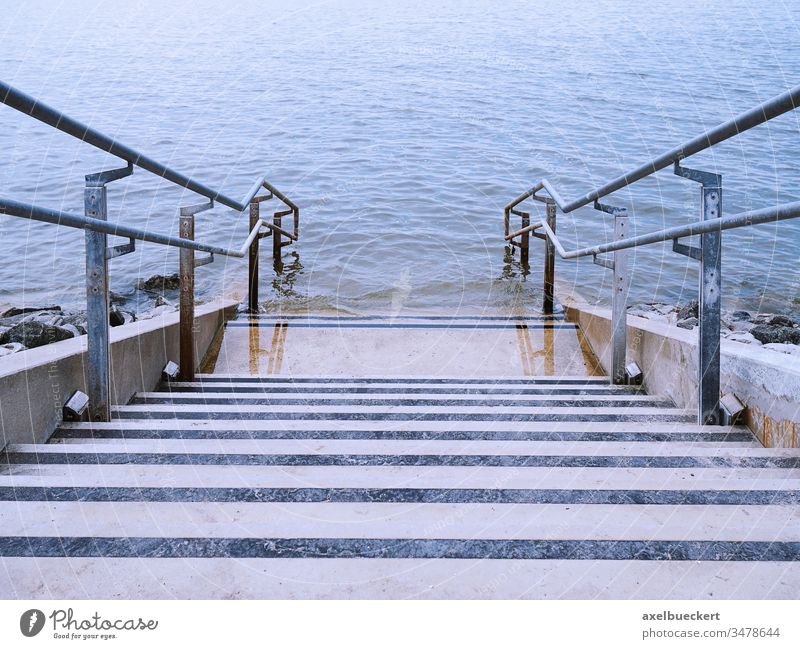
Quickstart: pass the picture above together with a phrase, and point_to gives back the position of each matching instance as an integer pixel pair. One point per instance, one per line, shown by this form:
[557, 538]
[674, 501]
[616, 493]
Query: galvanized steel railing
[94, 221]
[709, 253]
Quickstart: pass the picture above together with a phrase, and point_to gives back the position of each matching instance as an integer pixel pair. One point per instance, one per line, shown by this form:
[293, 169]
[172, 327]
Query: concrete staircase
[289, 486]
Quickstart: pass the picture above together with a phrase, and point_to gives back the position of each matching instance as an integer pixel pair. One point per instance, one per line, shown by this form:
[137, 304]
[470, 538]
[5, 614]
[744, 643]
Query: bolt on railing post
[709, 308]
[186, 274]
[549, 262]
[97, 307]
[525, 242]
[252, 268]
[276, 241]
[619, 313]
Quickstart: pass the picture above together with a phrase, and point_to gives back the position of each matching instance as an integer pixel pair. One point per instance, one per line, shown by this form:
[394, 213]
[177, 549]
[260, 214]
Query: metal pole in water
[619, 300]
[524, 244]
[97, 306]
[549, 262]
[186, 273]
[252, 295]
[276, 242]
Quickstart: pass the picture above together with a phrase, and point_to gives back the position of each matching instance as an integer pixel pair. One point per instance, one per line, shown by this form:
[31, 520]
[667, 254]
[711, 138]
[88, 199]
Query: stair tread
[441, 477]
[148, 578]
[345, 446]
[401, 520]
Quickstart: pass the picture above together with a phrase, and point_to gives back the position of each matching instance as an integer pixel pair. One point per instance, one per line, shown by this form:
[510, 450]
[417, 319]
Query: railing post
[709, 307]
[276, 241]
[525, 242]
[186, 274]
[549, 262]
[619, 312]
[252, 273]
[97, 306]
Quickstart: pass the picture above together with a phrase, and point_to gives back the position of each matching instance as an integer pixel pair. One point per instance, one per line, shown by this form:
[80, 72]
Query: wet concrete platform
[408, 345]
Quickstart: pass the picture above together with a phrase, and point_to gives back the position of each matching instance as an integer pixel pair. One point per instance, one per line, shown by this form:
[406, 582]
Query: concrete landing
[428, 345]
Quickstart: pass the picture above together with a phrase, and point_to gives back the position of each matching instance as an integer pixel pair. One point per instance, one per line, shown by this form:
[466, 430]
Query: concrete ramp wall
[768, 382]
[34, 384]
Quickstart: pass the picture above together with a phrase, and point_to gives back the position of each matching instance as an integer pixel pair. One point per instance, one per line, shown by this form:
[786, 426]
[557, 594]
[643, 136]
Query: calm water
[401, 129]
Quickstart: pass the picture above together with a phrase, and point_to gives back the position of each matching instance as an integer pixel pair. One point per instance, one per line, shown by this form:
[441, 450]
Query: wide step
[326, 486]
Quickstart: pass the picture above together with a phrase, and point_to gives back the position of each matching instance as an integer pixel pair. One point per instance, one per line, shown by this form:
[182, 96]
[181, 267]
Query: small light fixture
[731, 409]
[633, 374]
[76, 407]
[170, 371]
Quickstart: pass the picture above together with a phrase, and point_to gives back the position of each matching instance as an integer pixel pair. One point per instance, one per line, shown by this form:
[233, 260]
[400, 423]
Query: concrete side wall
[768, 382]
[35, 383]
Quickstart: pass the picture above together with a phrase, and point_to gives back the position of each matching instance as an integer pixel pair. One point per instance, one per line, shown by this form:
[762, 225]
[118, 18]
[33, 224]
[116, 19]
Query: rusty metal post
[252, 274]
[524, 244]
[97, 307]
[619, 301]
[549, 262]
[276, 242]
[186, 274]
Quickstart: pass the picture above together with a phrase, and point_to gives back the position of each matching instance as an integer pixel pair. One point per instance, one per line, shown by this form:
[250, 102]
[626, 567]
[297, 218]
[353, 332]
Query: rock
[117, 317]
[769, 334]
[743, 337]
[688, 323]
[160, 283]
[11, 348]
[117, 298]
[160, 301]
[781, 321]
[34, 334]
[73, 329]
[689, 310]
[15, 311]
[783, 348]
[157, 311]
[741, 315]
[742, 325]
[77, 320]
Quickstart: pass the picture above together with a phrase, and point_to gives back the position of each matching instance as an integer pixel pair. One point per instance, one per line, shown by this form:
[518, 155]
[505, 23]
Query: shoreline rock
[28, 327]
[775, 331]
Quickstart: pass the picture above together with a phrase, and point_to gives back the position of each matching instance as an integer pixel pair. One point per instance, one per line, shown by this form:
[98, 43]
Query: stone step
[403, 447]
[380, 379]
[399, 388]
[423, 457]
[156, 578]
[397, 477]
[743, 523]
[389, 548]
[450, 326]
[400, 413]
[398, 399]
[309, 429]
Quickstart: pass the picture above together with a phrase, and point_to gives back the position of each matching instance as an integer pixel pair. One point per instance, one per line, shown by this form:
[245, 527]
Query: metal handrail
[709, 253]
[39, 110]
[80, 222]
[743, 219]
[97, 228]
[764, 112]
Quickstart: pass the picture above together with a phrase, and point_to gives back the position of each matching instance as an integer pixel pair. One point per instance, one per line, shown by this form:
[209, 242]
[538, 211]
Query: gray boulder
[34, 334]
[689, 310]
[160, 283]
[768, 334]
